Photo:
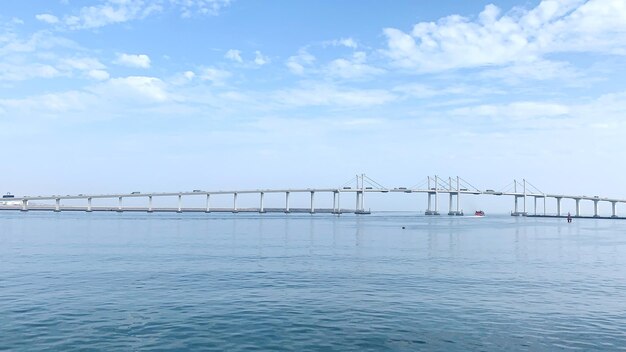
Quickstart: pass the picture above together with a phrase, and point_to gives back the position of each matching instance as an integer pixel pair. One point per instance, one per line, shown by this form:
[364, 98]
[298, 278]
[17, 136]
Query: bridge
[434, 187]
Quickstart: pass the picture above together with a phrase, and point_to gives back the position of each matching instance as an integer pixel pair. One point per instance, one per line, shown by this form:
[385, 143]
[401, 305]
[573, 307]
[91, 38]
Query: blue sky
[115, 95]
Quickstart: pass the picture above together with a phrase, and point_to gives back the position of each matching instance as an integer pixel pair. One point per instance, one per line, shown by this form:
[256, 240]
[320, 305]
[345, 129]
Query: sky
[169, 95]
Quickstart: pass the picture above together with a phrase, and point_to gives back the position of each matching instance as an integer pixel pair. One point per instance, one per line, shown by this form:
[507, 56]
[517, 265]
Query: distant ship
[479, 213]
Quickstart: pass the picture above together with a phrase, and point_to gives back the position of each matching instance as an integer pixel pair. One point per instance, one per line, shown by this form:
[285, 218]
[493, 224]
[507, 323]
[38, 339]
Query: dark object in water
[479, 213]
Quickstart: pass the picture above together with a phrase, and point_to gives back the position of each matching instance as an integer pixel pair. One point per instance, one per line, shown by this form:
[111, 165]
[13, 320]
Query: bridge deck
[175, 210]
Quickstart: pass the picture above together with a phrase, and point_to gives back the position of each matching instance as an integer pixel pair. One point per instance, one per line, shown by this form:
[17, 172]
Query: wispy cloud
[111, 12]
[100, 75]
[203, 7]
[120, 11]
[47, 18]
[26, 71]
[525, 110]
[317, 94]
[133, 60]
[214, 75]
[352, 68]
[144, 88]
[347, 42]
[297, 63]
[234, 55]
[535, 70]
[260, 59]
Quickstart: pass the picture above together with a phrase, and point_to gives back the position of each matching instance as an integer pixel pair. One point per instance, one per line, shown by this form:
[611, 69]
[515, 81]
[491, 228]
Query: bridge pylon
[453, 186]
[361, 180]
[520, 192]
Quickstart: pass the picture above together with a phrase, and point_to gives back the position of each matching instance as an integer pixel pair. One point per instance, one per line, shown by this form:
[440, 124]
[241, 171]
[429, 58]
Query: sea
[387, 281]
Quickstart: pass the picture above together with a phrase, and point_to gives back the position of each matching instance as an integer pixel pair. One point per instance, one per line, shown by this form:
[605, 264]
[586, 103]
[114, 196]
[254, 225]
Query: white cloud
[260, 59]
[47, 18]
[423, 91]
[132, 60]
[297, 63]
[26, 71]
[10, 43]
[81, 63]
[523, 111]
[41, 55]
[147, 89]
[111, 12]
[202, 7]
[90, 67]
[100, 75]
[330, 95]
[47, 105]
[540, 70]
[518, 36]
[189, 75]
[120, 11]
[234, 55]
[347, 42]
[182, 78]
[214, 75]
[354, 67]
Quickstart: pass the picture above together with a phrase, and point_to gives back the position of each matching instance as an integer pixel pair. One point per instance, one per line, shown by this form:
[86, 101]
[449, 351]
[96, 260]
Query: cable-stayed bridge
[355, 190]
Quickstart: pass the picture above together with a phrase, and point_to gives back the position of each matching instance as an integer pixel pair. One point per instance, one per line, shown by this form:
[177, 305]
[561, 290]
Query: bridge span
[433, 187]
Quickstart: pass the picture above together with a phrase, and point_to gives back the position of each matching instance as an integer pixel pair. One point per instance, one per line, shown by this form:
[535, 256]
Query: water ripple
[301, 283]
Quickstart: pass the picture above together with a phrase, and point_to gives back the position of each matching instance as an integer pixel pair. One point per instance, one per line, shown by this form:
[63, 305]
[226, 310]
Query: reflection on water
[310, 282]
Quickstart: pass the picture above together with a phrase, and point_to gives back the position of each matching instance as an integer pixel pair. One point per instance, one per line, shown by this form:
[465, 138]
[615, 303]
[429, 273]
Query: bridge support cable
[361, 181]
[522, 190]
[453, 186]
[372, 183]
[453, 190]
[422, 185]
[517, 195]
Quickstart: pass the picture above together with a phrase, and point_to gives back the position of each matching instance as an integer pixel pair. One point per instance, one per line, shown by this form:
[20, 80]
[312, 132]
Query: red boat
[479, 213]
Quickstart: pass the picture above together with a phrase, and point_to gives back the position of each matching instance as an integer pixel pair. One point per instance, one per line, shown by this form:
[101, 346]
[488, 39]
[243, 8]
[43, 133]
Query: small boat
[479, 213]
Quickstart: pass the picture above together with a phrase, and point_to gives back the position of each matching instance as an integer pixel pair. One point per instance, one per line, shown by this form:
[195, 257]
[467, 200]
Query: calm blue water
[239, 282]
